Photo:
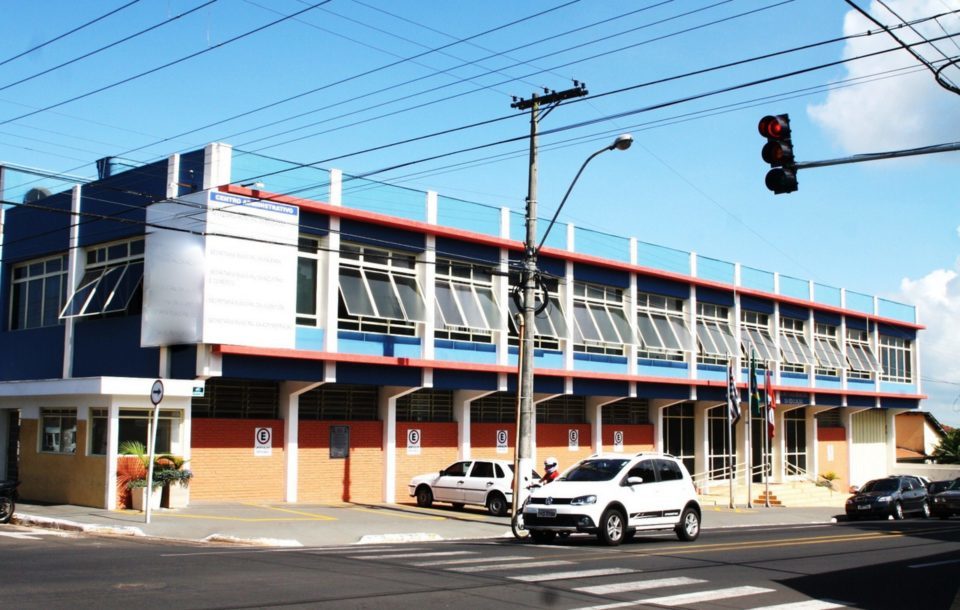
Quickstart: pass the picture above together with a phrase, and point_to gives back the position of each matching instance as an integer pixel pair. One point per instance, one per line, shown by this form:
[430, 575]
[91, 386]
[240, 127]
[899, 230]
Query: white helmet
[550, 463]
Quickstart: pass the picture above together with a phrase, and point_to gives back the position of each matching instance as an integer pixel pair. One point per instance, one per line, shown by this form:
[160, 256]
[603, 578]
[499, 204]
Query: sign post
[156, 395]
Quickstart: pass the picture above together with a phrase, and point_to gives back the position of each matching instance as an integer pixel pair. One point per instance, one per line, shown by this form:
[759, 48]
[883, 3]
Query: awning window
[105, 290]
[795, 349]
[716, 338]
[861, 358]
[828, 353]
[760, 340]
[659, 332]
[381, 294]
[467, 305]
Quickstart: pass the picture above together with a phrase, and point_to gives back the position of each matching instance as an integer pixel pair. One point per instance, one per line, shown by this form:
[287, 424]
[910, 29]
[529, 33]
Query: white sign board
[263, 442]
[413, 442]
[573, 439]
[502, 438]
[618, 441]
[224, 272]
[829, 453]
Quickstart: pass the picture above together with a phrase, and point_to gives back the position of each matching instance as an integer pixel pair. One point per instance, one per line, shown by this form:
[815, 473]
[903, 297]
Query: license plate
[546, 512]
[863, 507]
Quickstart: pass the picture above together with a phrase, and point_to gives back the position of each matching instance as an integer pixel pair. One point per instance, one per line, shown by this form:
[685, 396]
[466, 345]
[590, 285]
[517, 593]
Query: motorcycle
[8, 497]
[516, 523]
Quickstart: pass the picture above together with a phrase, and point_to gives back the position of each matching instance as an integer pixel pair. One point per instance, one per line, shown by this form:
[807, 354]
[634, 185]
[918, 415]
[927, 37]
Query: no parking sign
[573, 439]
[263, 442]
[413, 441]
[618, 441]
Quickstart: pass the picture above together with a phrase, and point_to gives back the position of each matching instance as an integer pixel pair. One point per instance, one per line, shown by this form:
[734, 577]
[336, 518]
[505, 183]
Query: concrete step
[794, 493]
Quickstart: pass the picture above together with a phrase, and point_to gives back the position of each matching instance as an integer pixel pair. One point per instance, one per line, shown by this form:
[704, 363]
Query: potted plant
[170, 478]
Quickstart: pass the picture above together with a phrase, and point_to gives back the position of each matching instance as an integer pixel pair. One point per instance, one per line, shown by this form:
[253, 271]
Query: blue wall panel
[603, 276]
[312, 223]
[662, 390]
[899, 403]
[444, 379]
[600, 387]
[829, 400]
[792, 311]
[829, 383]
[716, 297]
[898, 332]
[668, 288]
[711, 373]
[110, 347]
[404, 376]
[309, 338]
[860, 385]
[33, 232]
[183, 361]
[861, 401]
[276, 369]
[712, 393]
[36, 353]
[651, 368]
[750, 303]
[381, 237]
[471, 252]
[553, 266]
[856, 323]
[891, 387]
[125, 197]
[826, 317]
[461, 351]
[375, 344]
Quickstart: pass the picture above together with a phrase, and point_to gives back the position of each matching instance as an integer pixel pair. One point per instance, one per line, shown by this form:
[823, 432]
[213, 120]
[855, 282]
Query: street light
[528, 328]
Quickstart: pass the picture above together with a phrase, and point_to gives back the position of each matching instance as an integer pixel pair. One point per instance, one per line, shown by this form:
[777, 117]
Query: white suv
[614, 496]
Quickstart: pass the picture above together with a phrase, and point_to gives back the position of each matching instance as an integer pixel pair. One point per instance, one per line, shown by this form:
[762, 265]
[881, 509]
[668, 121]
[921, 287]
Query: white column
[388, 415]
[813, 443]
[329, 294]
[75, 267]
[595, 406]
[290, 392]
[701, 437]
[217, 159]
[462, 400]
[567, 296]
[113, 435]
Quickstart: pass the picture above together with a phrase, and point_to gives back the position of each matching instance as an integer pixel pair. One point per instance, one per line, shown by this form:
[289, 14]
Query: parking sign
[413, 441]
[573, 439]
[502, 438]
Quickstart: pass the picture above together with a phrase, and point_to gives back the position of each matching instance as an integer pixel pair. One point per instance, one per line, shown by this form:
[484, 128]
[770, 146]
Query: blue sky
[693, 180]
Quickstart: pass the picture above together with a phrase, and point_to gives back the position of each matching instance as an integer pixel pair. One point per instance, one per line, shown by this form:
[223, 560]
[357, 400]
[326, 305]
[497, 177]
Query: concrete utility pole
[528, 279]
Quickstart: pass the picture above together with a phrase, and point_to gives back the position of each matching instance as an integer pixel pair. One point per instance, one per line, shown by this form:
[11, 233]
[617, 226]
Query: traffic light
[778, 152]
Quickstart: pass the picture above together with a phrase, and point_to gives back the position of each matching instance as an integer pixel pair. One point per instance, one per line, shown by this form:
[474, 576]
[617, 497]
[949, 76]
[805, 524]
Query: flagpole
[749, 428]
[766, 438]
[729, 447]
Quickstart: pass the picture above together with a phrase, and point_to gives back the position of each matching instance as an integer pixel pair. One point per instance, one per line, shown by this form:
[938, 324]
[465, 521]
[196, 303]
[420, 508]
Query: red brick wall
[357, 478]
[636, 437]
[223, 464]
[438, 449]
[552, 440]
[483, 441]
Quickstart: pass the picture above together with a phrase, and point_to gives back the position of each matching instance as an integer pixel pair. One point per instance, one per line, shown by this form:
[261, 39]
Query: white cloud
[900, 112]
[937, 297]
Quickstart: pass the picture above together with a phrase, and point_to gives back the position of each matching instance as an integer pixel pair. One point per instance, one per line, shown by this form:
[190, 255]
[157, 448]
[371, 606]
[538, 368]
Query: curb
[72, 526]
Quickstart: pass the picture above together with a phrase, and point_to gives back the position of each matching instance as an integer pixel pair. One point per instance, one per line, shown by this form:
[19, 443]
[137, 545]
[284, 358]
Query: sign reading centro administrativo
[220, 268]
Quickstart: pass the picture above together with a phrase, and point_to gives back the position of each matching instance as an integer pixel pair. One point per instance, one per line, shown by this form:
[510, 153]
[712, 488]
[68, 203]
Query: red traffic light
[775, 127]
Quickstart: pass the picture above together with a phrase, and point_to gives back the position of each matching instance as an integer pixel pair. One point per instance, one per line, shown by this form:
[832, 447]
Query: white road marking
[934, 563]
[514, 566]
[451, 562]
[639, 585]
[19, 536]
[810, 604]
[406, 555]
[687, 598]
[577, 574]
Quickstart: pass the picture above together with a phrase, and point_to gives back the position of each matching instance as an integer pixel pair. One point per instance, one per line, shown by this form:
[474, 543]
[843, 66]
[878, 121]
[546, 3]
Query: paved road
[877, 565]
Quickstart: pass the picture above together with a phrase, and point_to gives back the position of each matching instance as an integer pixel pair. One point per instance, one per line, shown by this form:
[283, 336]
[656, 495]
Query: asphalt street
[878, 565]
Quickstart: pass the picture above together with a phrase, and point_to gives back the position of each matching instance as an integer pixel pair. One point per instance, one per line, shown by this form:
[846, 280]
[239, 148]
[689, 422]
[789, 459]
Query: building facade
[329, 344]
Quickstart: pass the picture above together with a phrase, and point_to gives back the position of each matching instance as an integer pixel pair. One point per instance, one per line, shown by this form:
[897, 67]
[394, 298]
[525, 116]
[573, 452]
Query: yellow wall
[60, 478]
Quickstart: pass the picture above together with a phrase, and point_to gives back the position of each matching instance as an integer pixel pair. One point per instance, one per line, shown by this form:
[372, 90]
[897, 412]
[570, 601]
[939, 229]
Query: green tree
[948, 451]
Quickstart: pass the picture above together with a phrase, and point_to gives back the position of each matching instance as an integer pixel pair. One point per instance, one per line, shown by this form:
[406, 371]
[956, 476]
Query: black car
[935, 487]
[946, 502]
[894, 496]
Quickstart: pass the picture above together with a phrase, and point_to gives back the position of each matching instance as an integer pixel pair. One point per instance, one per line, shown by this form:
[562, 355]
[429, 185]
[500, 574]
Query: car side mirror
[631, 481]
[854, 489]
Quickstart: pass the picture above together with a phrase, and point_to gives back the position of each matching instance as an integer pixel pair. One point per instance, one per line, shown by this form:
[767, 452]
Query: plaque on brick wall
[339, 442]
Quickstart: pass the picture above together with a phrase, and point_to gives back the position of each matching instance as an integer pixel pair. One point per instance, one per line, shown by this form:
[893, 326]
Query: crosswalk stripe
[576, 574]
[639, 585]
[406, 555]
[686, 598]
[451, 562]
[810, 604]
[512, 566]
[19, 536]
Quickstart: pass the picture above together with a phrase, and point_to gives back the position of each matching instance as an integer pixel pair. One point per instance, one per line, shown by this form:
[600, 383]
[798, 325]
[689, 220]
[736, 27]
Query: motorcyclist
[550, 470]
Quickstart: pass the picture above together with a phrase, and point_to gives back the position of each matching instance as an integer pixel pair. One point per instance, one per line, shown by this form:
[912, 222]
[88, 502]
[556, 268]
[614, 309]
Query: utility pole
[524, 449]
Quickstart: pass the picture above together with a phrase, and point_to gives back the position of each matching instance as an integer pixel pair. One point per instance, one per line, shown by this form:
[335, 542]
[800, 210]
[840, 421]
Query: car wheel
[898, 511]
[458, 506]
[926, 510]
[543, 536]
[612, 527]
[424, 496]
[689, 527]
[497, 504]
[6, 509]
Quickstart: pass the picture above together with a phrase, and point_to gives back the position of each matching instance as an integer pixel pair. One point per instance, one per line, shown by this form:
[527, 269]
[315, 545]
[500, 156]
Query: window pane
[410, 295]
[602, 317]
[555, 311]
[666, 332]
[761, 341]
[104, 290]
[471, 309]
[647, 332]
[584, 323]
[683, 333]
[854, 357]
[51, 300]
[354, 292]
[448, 308]
[489, 304]
[385, 299]
[79, 298]
[619, 318]
[306, 286]
[803, 349]
[542, 322]
[125, 289]
[706, 339]
[19, 307]
[35, 300]
[723, 337]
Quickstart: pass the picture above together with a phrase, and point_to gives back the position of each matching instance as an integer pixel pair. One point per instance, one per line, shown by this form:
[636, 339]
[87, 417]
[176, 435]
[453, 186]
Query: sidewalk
[316, 525]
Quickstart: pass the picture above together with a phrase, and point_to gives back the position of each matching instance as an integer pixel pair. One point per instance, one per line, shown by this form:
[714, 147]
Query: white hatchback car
[479, 482]
[614, 496]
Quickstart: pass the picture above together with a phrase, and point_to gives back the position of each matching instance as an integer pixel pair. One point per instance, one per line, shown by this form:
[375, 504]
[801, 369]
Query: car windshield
[594, 470]
[882, 485]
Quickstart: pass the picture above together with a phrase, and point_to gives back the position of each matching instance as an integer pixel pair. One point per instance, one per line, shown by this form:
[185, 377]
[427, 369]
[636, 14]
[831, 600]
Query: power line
[105, 47]
[65, 34]
[164, 66]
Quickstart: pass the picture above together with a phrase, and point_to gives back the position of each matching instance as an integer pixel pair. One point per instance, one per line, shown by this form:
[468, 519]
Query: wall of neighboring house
[869, 446]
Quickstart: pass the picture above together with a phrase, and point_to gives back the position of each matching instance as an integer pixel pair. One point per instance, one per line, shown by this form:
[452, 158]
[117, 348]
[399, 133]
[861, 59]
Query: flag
[771, 403]
[733, 396]
[754, 390]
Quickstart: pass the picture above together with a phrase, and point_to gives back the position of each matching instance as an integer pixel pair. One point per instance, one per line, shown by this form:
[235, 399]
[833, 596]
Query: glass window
[827, 350]
[354, 293]
[58, 430]
[715, 334]
[465, 296]
[601, 324]
[379, 291]
[482, 469]
[755, 335]
[98, 431]
[550, 324]
[37, 289]
[668, 471]
[134, 425]
[645, 470]
[457, 470]
[896, 356]
[862, 360]
[111, 283]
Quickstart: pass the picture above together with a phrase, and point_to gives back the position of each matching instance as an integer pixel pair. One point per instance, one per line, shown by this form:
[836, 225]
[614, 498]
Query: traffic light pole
[910, 152]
